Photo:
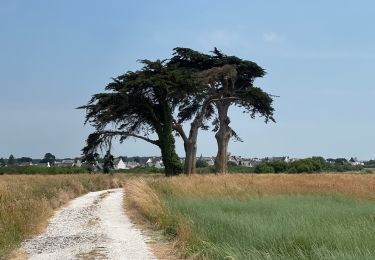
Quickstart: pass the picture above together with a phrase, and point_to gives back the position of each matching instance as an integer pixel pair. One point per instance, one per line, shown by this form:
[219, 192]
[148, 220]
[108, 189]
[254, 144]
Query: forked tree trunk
[222, 138]
[190, 141]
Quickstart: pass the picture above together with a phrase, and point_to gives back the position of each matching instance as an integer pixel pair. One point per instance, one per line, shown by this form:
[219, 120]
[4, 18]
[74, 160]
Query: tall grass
[41, 170]
[26, 202]
[264, 216]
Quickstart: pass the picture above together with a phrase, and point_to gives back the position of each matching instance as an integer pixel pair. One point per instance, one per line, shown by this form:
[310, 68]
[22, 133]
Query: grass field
[26, 202]
[262, 216]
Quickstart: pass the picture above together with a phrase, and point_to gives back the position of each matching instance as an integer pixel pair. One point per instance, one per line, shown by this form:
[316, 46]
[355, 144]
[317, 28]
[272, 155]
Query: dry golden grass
[27, 202]
[146, 209]
[353, 185]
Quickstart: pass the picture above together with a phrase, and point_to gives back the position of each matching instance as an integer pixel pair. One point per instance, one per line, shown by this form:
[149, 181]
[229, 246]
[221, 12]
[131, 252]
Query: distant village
[124, 162]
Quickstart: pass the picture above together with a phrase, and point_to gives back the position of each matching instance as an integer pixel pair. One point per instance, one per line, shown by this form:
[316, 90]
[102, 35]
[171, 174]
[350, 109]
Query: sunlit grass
[263, 216]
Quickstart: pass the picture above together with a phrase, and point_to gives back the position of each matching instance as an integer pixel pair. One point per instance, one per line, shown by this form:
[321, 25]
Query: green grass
[278, 227]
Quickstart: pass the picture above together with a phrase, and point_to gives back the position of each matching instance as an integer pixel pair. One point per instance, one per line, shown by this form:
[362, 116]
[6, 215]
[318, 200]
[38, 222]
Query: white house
[132, 164]
[159, 164]
[354, 161]
[119, 164]
[77, 163]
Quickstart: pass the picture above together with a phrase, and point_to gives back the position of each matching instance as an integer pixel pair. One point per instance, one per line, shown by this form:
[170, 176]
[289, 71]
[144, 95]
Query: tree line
[307, 165]
[190, 87]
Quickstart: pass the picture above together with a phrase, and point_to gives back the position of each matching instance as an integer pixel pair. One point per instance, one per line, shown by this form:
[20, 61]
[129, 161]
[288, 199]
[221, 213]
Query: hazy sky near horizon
[319, 57]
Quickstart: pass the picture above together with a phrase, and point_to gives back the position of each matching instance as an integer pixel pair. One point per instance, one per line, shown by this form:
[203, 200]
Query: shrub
[264, 168]
[201, 164]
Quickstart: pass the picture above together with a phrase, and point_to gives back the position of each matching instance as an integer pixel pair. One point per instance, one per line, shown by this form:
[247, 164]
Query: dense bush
[309, 165]
[201, 164]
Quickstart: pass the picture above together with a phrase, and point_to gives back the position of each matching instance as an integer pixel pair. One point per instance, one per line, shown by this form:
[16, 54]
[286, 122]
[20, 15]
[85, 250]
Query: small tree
[11, 160]
[90, 161]
[108, 163]
[201, 163]
[138, 104]
[49, 158]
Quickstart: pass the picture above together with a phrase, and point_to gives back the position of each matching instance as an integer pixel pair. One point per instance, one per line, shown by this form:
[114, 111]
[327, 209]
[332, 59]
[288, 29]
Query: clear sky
[319, 57]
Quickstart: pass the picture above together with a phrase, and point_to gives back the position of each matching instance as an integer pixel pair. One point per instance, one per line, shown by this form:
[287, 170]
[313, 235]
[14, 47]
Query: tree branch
[180, 130]
[124, 133]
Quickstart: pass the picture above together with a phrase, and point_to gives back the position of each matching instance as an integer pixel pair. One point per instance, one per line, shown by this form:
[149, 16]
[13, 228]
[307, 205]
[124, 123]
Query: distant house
[234, 159]
[281, 159]
[77, 163]
[156, 162]
[249, 162]
[354, 161]
[132, 164]
[47, 164]
[25, 164]
[149, 162]
[159, 164]
[118, 164]
[67, 162]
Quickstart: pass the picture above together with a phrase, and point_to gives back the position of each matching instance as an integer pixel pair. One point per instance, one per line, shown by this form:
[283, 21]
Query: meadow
[325, 216]
[27, 202]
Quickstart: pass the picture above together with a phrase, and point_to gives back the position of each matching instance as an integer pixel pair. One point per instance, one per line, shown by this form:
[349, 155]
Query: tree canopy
[227, 80]
[138, 104]
[48, 158]
[159, 98]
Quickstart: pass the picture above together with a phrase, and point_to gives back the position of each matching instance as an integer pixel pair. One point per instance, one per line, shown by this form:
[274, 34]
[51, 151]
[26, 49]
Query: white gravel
[93, 226]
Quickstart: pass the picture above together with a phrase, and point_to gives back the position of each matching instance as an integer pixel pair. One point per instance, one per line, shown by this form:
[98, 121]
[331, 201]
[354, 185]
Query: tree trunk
[222, 137]
[190, 145]
[171, 161]
[191, 157]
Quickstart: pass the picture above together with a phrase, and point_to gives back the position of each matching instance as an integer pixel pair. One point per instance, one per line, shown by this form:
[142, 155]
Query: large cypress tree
[227, 80]
[138, 104]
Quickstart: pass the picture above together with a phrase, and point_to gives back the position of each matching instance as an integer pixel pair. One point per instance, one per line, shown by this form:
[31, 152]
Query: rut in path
[93, 226]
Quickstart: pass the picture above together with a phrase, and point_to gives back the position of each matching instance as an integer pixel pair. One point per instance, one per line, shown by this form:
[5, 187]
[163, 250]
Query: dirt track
[93, 226]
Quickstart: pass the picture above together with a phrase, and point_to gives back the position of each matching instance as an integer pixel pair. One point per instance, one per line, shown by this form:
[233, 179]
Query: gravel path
[93, 226]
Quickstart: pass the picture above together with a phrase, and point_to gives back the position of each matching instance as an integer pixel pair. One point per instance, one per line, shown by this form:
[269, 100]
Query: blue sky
[319, 57]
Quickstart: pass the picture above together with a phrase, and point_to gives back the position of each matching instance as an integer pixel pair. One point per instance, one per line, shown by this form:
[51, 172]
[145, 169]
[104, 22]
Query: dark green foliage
[108, 163]
[25, 160]
[231, 164]
[309, 165]
[201, 163]
[264, 168]
[11, 160]
[138, 104]
[224, 78]
[48, 158]
[227, 80]
[370, 164]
